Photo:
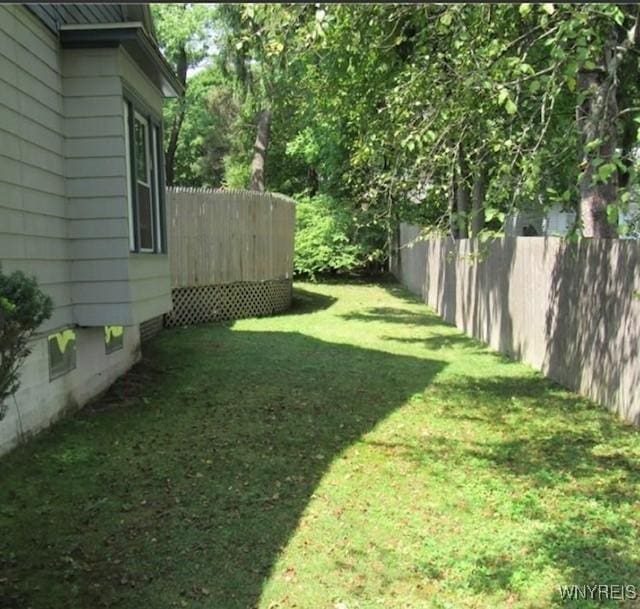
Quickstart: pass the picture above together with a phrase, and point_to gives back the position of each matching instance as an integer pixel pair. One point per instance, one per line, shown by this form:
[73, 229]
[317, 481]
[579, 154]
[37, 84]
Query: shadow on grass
[187, 496]
[394, 315]
[306, 301]
[452, 338]
[564, 449]
[446, 341]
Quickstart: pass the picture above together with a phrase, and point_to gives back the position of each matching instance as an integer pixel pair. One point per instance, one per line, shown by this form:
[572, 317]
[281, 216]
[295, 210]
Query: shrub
[324, 238]
[237, 172]
[23, 307]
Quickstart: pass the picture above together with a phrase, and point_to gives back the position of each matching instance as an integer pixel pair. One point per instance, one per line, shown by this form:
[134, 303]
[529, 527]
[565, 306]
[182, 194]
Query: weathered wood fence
[231, 254]
[570, 310]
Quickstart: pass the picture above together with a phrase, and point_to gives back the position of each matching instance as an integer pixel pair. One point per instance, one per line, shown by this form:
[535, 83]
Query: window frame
[149, 175]
[134, 109]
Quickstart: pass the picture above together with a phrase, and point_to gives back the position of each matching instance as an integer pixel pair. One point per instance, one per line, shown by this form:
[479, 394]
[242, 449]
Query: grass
[355, 453]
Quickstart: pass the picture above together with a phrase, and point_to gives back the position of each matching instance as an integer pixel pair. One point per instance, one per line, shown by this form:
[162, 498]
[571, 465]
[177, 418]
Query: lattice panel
[203, 304]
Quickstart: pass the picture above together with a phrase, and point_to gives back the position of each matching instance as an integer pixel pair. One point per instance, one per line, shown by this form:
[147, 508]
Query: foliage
[302, 461]
[324, 240]
[183, 32]
[23, 307]
[183, 28]
[237, 172]
[210, 109]
[450, 116]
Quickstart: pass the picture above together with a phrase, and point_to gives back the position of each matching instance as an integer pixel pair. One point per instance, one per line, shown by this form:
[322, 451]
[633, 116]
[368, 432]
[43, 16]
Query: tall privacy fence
[571, 310]
[231, 254]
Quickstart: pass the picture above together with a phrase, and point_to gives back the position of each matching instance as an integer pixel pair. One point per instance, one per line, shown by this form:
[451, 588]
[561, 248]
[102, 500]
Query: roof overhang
[134, 39]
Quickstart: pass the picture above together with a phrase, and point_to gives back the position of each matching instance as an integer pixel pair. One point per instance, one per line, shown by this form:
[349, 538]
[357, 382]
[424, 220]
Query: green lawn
[355, 453]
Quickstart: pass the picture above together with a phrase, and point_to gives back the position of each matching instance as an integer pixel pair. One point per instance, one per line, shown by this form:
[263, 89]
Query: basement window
[62, 353]
[113, 338]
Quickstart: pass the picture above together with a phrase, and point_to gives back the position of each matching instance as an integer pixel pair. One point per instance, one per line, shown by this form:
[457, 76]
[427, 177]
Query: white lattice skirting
[203, 304]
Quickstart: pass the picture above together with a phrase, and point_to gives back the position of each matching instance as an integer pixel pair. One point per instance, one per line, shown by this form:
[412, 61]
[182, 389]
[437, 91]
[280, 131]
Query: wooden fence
[571, 310]
[222, 236]
[231, 253]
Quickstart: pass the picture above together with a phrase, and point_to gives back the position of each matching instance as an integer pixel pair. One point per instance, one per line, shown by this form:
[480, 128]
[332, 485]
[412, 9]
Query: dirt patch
[129, 389]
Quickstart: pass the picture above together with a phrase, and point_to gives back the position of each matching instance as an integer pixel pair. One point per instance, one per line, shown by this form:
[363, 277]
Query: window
[62, 353]
[113, 338]
[145, 181]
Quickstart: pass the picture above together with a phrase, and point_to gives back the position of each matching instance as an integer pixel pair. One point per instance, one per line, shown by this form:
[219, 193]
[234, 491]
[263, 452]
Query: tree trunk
[312, 181]
[479, 191]
[596, 119]
[453, 199]
[462, 196]
[260, 151]
[178, 119]
[172, 146]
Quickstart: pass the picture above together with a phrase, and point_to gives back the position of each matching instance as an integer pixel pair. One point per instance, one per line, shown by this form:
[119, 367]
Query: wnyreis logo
[599, 592]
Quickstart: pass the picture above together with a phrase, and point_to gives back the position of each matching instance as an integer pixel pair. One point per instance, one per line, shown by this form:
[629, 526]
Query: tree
[23, 307]
[616, 32]
[450, 116]
[183, 32]
[260, 151]
[210, 110]
[259, 43]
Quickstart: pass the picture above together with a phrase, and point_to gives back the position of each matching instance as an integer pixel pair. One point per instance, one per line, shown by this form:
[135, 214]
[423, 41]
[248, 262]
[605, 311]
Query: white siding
[96, 184]
[149, 273]
[33, 231]
[150, 285]
[135, 79]
[64, 209]
[557, 223]
[63, 189]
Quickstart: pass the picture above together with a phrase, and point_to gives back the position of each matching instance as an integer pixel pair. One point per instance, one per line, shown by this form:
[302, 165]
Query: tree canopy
[451, 116]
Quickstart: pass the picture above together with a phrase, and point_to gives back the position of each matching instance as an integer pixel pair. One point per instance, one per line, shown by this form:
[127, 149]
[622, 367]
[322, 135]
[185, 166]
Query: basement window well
[113, 338]
[62, 353]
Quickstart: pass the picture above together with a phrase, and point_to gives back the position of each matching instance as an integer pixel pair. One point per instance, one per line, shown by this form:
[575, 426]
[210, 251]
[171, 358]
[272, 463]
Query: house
[553, 222]
[82, 198]
[556, 222]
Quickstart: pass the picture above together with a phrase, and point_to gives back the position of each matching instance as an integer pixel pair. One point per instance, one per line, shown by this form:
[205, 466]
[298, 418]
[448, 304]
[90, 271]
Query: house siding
[33, 205]
[96, 187]
[138, 83]
[149, 274]
[63, 204]
[132, 287]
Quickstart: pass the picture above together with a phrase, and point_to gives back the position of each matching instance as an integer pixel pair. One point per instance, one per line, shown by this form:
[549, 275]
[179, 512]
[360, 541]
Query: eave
[135, 40]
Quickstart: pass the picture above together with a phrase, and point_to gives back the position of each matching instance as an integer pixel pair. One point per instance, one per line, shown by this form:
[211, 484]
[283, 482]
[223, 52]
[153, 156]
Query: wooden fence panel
[571, 310]
[231, 253]
[218, 236]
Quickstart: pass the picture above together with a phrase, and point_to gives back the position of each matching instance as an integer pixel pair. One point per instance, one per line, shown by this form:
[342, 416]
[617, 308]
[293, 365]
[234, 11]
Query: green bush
[324, 241]
[237, 172]
[23, 307]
